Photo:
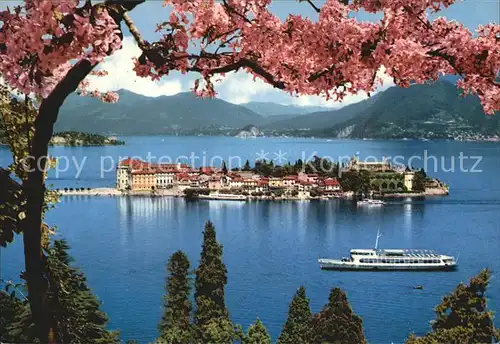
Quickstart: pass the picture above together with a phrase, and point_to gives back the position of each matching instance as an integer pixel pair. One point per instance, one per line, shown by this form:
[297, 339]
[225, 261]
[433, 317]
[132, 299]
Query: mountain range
[140, 115]
[273, 110]
[421, 111]
[430, 111]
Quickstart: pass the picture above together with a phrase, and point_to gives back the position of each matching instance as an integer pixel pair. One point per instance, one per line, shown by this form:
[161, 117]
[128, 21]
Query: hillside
[268, 109]
[420, 111]
[136, 114]
[322, 119]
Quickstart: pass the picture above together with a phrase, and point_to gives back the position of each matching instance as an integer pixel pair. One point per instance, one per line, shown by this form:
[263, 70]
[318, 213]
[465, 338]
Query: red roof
[133, 163]
[305, 182]
[312, 175]
[143, 172]
[207, 170]
[137, 164]
[290, 178]
[331, 182]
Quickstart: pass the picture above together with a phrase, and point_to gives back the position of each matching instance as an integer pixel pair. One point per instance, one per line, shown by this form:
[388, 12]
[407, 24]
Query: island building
[134, 174]
[383, 176]
[354, 164]
[137, 175]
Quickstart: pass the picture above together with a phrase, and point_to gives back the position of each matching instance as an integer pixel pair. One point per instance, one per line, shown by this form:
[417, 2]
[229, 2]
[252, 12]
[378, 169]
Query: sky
[240, 87]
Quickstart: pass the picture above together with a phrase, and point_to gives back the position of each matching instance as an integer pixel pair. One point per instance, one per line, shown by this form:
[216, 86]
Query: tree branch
[35, 188]
[316, 8]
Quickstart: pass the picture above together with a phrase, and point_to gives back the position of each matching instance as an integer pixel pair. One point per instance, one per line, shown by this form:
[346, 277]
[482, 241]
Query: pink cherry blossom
[332, 55]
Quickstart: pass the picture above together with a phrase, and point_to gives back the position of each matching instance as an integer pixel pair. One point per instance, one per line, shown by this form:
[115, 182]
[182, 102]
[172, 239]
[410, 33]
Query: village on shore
[317, 179]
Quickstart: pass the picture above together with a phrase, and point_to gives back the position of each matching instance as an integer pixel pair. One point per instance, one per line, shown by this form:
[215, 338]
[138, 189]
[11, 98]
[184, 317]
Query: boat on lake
[369, 201]
[390, 259]
[224, 197]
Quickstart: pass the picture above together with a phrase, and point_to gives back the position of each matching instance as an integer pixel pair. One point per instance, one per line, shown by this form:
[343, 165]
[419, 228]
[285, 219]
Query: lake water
[270, 248]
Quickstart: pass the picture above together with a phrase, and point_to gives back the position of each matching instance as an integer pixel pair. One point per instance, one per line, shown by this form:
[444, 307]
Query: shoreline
[103, 191]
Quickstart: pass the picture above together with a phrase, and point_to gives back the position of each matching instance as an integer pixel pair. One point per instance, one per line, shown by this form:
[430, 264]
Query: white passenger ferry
[225, 197]
[370, 201]
[390, 259]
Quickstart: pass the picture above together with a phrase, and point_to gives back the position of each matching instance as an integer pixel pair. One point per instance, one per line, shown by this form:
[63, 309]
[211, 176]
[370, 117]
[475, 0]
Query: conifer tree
[224, 167]
[16, 323]
[75, 309]
[257, 334]
[246, 167]
[175, 324]
[211, 317]
[337, 323]
[463, 316]
[297, 326]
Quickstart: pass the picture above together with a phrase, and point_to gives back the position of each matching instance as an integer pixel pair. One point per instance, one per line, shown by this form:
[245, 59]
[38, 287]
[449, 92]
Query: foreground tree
[16, 323]
[337, 323]
[75, 311]
[297, 327]
[49, 47]
[175, 327]
[463, 316]
[211, 316]
[257, 334]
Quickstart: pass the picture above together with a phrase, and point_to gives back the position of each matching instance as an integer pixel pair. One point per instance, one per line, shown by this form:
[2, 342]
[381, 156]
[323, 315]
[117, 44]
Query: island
[75, 138]
[318, 178]
[250, 131]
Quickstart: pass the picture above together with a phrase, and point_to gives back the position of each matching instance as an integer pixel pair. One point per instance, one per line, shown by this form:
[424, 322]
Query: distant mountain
[273, 109]
[322, 119]
[433, 110]
[136, 114]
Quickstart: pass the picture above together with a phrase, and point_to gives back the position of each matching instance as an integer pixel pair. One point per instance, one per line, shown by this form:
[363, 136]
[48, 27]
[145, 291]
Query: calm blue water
[270, 249]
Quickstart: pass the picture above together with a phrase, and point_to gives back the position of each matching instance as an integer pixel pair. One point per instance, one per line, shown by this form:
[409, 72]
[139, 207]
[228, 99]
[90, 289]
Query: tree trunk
[35, 195]
[35, 184]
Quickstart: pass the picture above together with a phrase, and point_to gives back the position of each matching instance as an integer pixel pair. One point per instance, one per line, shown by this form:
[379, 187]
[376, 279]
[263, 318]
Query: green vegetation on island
[74, 138]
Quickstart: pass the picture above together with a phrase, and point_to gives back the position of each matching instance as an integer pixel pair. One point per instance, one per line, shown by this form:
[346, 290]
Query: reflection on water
[270, 249]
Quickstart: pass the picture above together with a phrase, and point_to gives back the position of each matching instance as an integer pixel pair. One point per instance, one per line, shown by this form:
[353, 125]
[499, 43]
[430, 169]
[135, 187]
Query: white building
[408, 180]
[123, 178]
[165, 179]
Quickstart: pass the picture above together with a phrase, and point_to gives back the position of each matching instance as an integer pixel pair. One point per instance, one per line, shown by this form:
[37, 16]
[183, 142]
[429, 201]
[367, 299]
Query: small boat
[420, 287]
[390, 259]
[224, 197]
[370, 201]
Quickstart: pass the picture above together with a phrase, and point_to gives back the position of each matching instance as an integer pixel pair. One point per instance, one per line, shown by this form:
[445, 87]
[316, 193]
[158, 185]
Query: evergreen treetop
[297, 327]
[337, 323]
[257, 334]
[175, 324]
[463, 316]
[211, 316]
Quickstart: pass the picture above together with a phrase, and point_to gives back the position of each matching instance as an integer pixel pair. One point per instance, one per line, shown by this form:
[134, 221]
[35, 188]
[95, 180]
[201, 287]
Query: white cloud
[236, 87]
[121, 75]
[240, 87]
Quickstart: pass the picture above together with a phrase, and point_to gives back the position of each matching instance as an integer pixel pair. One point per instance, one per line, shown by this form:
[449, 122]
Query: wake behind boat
[390, 259]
